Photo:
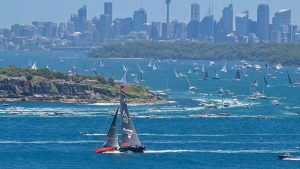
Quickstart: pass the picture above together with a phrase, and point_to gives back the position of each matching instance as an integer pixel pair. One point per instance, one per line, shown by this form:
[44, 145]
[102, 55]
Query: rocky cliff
[83, 89]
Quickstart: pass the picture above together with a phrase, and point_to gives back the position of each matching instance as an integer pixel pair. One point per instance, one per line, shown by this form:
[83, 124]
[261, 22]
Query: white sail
[34, 67]
[140, 70]
[101, 64]
[224, 69]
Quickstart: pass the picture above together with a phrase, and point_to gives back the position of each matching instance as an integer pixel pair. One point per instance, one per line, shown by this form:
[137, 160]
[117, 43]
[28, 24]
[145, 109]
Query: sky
[26, 11]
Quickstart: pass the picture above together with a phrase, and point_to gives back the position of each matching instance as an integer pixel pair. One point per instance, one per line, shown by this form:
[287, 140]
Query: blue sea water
[175, 134]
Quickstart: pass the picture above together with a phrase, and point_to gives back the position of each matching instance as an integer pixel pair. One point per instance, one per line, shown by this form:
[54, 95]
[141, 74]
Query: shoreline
[84, 101]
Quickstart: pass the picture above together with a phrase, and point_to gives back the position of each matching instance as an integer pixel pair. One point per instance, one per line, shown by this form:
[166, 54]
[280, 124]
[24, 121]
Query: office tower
[207, 26]
[82, 17]
[282, 18]
[180, 31]
[241, 22]
[105, 27]
[168, 10]
[227, 20]
[155, 31]
[195, 12]
[280, 26]
[263, 23]
[168, 30]
[193, 25]
[139, 20]
[108, 8]
[70, 27]
[122, 27]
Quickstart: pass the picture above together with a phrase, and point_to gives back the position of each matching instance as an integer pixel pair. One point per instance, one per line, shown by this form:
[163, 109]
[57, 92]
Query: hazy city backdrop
[87, 27]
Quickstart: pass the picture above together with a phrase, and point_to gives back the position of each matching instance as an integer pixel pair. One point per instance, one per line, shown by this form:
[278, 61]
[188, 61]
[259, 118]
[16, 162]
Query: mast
[111, 139]
[129, 135]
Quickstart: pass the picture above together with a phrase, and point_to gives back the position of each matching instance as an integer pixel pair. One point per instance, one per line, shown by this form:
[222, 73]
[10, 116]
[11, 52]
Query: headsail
[129, 135]
[111, 139]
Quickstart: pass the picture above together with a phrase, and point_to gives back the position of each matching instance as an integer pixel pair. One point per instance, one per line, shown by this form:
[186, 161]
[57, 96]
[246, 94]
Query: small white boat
[275, 102]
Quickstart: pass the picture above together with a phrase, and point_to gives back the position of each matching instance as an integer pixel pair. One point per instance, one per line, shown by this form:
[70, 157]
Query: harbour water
[183, 133]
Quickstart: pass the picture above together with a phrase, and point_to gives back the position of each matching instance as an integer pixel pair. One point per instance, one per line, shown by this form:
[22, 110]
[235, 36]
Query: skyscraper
[139, 20]
[168, 10]
[108, 8]
[281, 19]
[195, 12]
[82, 17]
[263, 24]
[105, 27]
[227, 20]
[280, 26]
[241, 23]
[207, 26]
[193, 25]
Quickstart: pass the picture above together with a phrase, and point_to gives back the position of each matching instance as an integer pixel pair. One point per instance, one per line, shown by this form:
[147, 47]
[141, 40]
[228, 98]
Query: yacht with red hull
[130, 142]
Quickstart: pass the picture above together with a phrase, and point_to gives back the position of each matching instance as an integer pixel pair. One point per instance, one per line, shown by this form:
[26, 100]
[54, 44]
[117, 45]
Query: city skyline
[156, 9]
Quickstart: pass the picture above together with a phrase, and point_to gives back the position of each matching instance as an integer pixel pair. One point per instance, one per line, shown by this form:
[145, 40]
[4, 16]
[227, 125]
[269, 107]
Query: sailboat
[255, 82]
[34, 67]
[217, 77]
[205, 76]
[130, 141]
[140, 70]
[100, 63]
[266, 82]
[237, 75]
[191, 87]
[224, 69]
[154, 67]
[176, 74]
[125, 68]
[150, 64]
[203, 68]
[290, 80]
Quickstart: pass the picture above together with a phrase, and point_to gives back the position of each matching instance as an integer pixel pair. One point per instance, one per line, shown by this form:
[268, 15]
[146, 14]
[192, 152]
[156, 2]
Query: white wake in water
[49, 142]
[221, 151]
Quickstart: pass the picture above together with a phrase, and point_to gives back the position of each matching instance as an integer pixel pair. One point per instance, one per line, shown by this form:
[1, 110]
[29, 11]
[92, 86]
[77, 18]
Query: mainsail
[111, 139]
[129, 135]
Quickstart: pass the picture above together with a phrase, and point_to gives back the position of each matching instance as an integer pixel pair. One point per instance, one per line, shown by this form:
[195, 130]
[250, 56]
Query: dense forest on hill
[287, 54]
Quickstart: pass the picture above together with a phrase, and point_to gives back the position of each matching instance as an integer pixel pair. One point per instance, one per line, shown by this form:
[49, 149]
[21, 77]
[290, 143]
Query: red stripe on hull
[102, 150]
